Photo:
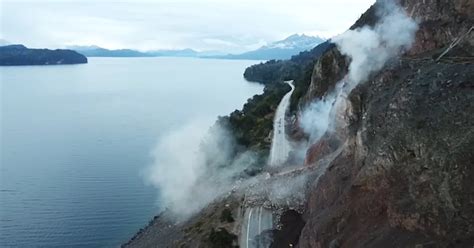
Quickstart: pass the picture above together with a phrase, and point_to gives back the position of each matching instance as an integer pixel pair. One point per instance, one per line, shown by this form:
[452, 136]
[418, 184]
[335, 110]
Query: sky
[204, 25]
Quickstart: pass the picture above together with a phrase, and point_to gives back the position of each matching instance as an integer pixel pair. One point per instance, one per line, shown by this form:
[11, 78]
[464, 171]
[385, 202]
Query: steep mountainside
[298, 69]
[20, 55]
[404, 179]
[396, 168]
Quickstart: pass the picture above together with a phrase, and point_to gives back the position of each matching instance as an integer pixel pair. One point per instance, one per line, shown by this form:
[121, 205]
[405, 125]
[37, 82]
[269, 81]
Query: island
[12, 55]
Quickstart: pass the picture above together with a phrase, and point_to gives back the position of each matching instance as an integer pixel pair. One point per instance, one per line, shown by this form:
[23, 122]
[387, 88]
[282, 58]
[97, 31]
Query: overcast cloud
[224, 25]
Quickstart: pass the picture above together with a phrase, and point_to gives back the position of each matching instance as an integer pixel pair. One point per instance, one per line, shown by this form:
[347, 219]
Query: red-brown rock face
[317, 151]
[405, 178]
[441, 22]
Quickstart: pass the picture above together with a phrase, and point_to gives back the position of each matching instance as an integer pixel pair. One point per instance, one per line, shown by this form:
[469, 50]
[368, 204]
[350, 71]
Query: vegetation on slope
[298, 68]
[222, 239]
[253, 124]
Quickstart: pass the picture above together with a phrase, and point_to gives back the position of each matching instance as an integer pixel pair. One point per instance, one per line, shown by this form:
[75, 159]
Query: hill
[21, 55]
[95, 51]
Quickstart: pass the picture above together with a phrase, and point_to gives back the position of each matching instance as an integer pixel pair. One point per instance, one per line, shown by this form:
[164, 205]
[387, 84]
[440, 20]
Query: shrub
[221, 238]
[226, 216]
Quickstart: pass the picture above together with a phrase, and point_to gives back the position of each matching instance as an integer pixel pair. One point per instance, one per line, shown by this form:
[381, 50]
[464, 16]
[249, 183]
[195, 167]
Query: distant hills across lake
[283, 49]
[21, 55]
[11, 55]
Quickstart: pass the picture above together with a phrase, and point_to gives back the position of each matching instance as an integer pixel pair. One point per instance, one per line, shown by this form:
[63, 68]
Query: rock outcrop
[404, 179]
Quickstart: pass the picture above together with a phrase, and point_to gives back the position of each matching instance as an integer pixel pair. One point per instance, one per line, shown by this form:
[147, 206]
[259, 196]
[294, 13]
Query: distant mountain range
[95, 51]
[278, 50]
[283, 49]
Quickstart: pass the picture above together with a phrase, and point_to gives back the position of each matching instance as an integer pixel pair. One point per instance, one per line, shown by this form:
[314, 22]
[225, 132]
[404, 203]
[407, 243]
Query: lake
[75, 139]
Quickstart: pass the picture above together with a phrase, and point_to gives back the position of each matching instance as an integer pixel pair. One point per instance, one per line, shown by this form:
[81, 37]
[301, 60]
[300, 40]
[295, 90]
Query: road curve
[256, 220]
[280, 144]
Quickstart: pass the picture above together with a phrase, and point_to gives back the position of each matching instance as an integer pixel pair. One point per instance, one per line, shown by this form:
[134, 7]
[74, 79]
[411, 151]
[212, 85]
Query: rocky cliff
[404, 178]
[400, 169]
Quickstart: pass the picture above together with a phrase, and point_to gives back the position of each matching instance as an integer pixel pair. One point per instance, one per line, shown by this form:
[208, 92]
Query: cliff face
[440, 22]
[20, 55]
[404, 178]
[328, 70]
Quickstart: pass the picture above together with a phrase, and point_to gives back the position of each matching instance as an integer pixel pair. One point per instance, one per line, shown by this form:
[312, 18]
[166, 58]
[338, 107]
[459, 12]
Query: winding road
[259, 219]
[280, 145]
[256, 220]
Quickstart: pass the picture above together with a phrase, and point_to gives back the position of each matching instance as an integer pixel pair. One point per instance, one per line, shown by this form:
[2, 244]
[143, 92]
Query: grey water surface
[75, 138]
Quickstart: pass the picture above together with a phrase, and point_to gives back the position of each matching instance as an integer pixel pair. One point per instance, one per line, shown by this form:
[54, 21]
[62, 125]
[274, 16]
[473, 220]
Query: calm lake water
[75, 138]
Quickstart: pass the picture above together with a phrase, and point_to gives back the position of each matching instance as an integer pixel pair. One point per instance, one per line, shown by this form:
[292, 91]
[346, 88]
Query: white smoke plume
[369, 49]
[314, 120]
[193, 166]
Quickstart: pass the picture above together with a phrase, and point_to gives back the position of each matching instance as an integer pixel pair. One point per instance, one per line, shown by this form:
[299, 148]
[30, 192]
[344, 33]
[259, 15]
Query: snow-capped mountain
[296, 41]
[282, 49]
